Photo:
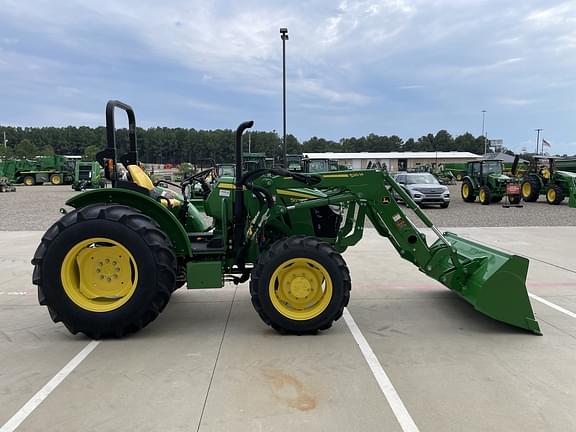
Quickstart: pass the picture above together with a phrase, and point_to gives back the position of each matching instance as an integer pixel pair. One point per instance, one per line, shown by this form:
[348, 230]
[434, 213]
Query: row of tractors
[486, 180]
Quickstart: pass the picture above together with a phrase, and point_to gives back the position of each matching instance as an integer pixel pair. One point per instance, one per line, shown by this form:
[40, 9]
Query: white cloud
[359, 57]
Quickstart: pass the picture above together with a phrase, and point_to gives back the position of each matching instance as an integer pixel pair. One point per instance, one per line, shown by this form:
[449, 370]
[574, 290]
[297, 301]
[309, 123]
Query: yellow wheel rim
[300, 289]
[526, 190]
[55, 180]
[551, 195]
[28, 181]
[482, 195]
[99, 274]
[465, 190]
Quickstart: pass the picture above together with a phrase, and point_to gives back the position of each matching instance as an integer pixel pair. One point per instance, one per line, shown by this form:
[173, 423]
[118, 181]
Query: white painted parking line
[43, 393]
[552, 305]
[402, 415]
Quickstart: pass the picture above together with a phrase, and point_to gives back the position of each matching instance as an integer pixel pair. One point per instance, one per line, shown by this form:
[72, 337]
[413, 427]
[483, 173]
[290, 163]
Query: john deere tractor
[109, 267]
[485, 180]
[542, 178]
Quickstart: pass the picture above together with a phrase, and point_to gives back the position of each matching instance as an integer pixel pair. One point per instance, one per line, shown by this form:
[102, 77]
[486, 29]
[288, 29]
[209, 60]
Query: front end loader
[109, 267]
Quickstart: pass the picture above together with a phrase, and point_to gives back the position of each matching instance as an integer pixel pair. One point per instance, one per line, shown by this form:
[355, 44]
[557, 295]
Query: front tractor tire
[104, 270]
[467, 191]
[300, 285]
[554, 195]
[485, 196]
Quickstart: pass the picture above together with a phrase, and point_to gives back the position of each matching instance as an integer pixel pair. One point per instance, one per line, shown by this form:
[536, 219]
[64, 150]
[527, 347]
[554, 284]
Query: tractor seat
[142, 179]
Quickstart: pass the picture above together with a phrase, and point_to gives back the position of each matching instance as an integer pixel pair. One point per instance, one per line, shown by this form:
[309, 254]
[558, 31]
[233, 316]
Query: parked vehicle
[87, 175]
[108, 267]
[543, 178]
[485, 179]
[55, 169]
[423, 188]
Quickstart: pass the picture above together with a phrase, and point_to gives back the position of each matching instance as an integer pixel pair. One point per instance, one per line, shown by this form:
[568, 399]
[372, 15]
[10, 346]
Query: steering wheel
[199, 178]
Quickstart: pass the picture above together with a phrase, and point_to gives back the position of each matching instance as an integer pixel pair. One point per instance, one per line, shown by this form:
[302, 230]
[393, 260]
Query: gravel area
[36, 208]
[463, 214]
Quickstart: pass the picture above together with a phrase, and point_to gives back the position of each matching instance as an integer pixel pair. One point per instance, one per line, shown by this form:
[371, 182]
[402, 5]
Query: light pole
[483, 136]
[538, 138]
[284, 37]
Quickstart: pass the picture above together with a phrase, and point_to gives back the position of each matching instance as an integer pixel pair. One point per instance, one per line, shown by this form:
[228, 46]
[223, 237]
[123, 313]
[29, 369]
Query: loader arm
[493, 281]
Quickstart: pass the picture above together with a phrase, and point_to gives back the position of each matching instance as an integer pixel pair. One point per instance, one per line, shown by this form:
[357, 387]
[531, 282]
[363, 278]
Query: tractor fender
[169, 224]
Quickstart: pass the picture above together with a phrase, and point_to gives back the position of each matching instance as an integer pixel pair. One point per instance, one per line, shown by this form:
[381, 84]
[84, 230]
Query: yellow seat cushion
[140, 177]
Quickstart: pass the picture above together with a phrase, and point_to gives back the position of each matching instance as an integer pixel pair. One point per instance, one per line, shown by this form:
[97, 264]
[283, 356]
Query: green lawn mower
[109, 267]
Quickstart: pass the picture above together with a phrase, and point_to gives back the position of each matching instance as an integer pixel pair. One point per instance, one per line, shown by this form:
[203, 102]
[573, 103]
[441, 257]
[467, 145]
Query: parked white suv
[424, 188]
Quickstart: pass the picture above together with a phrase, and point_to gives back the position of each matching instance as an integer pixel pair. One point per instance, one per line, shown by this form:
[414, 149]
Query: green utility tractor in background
[294, 162]
[88, 175]
[109, 267]
[542, 178]
[484, 179]
[319, 165]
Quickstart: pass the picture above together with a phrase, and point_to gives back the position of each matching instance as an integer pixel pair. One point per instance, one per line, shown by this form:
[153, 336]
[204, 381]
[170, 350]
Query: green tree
[25, 149]
[90, 152]
[47, 150]
[5, 152]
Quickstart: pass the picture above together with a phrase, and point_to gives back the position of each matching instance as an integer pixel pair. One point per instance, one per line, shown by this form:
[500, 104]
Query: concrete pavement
[208, 363]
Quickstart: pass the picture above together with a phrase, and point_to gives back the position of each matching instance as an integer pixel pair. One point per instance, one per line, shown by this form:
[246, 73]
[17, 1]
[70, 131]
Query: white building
[396, 161]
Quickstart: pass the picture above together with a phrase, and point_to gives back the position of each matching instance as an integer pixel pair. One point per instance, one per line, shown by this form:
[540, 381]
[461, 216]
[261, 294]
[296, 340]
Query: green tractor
[542, 178]
[109, 267]
[485, 179]
[87, 175]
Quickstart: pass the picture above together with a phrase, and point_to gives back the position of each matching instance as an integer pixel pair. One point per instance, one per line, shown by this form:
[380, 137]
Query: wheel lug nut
[97, 270]
[117, 269]
[115, 276]
[106, 260]
[114, 263]
[108, 279]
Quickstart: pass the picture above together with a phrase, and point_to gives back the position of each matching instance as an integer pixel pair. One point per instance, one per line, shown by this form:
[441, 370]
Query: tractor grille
[84, 173]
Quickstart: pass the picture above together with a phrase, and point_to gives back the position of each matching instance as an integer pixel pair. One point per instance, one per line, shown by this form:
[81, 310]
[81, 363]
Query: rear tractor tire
[530, 190]
[554, 194]
[300, 285]
[29, 181]
[485, 196]
[105, 271]
[467, 191]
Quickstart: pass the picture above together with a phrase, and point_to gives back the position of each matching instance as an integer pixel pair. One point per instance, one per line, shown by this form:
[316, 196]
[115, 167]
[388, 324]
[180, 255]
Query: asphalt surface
[37, 207]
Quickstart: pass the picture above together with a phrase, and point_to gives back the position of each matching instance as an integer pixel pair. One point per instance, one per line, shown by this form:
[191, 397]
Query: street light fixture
[538, 139]
[284, 37]
[484, 136]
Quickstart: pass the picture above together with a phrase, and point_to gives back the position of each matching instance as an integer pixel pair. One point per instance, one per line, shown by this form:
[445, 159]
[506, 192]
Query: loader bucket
[493, 281]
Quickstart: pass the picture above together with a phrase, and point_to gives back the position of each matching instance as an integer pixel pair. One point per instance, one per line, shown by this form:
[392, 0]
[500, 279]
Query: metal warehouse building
[396, 161]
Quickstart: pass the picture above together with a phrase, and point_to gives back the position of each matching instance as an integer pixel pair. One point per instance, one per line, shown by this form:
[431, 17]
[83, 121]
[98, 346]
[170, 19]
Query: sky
[389, 67]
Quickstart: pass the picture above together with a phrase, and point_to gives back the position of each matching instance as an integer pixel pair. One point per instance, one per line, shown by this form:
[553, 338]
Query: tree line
[176, 145]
